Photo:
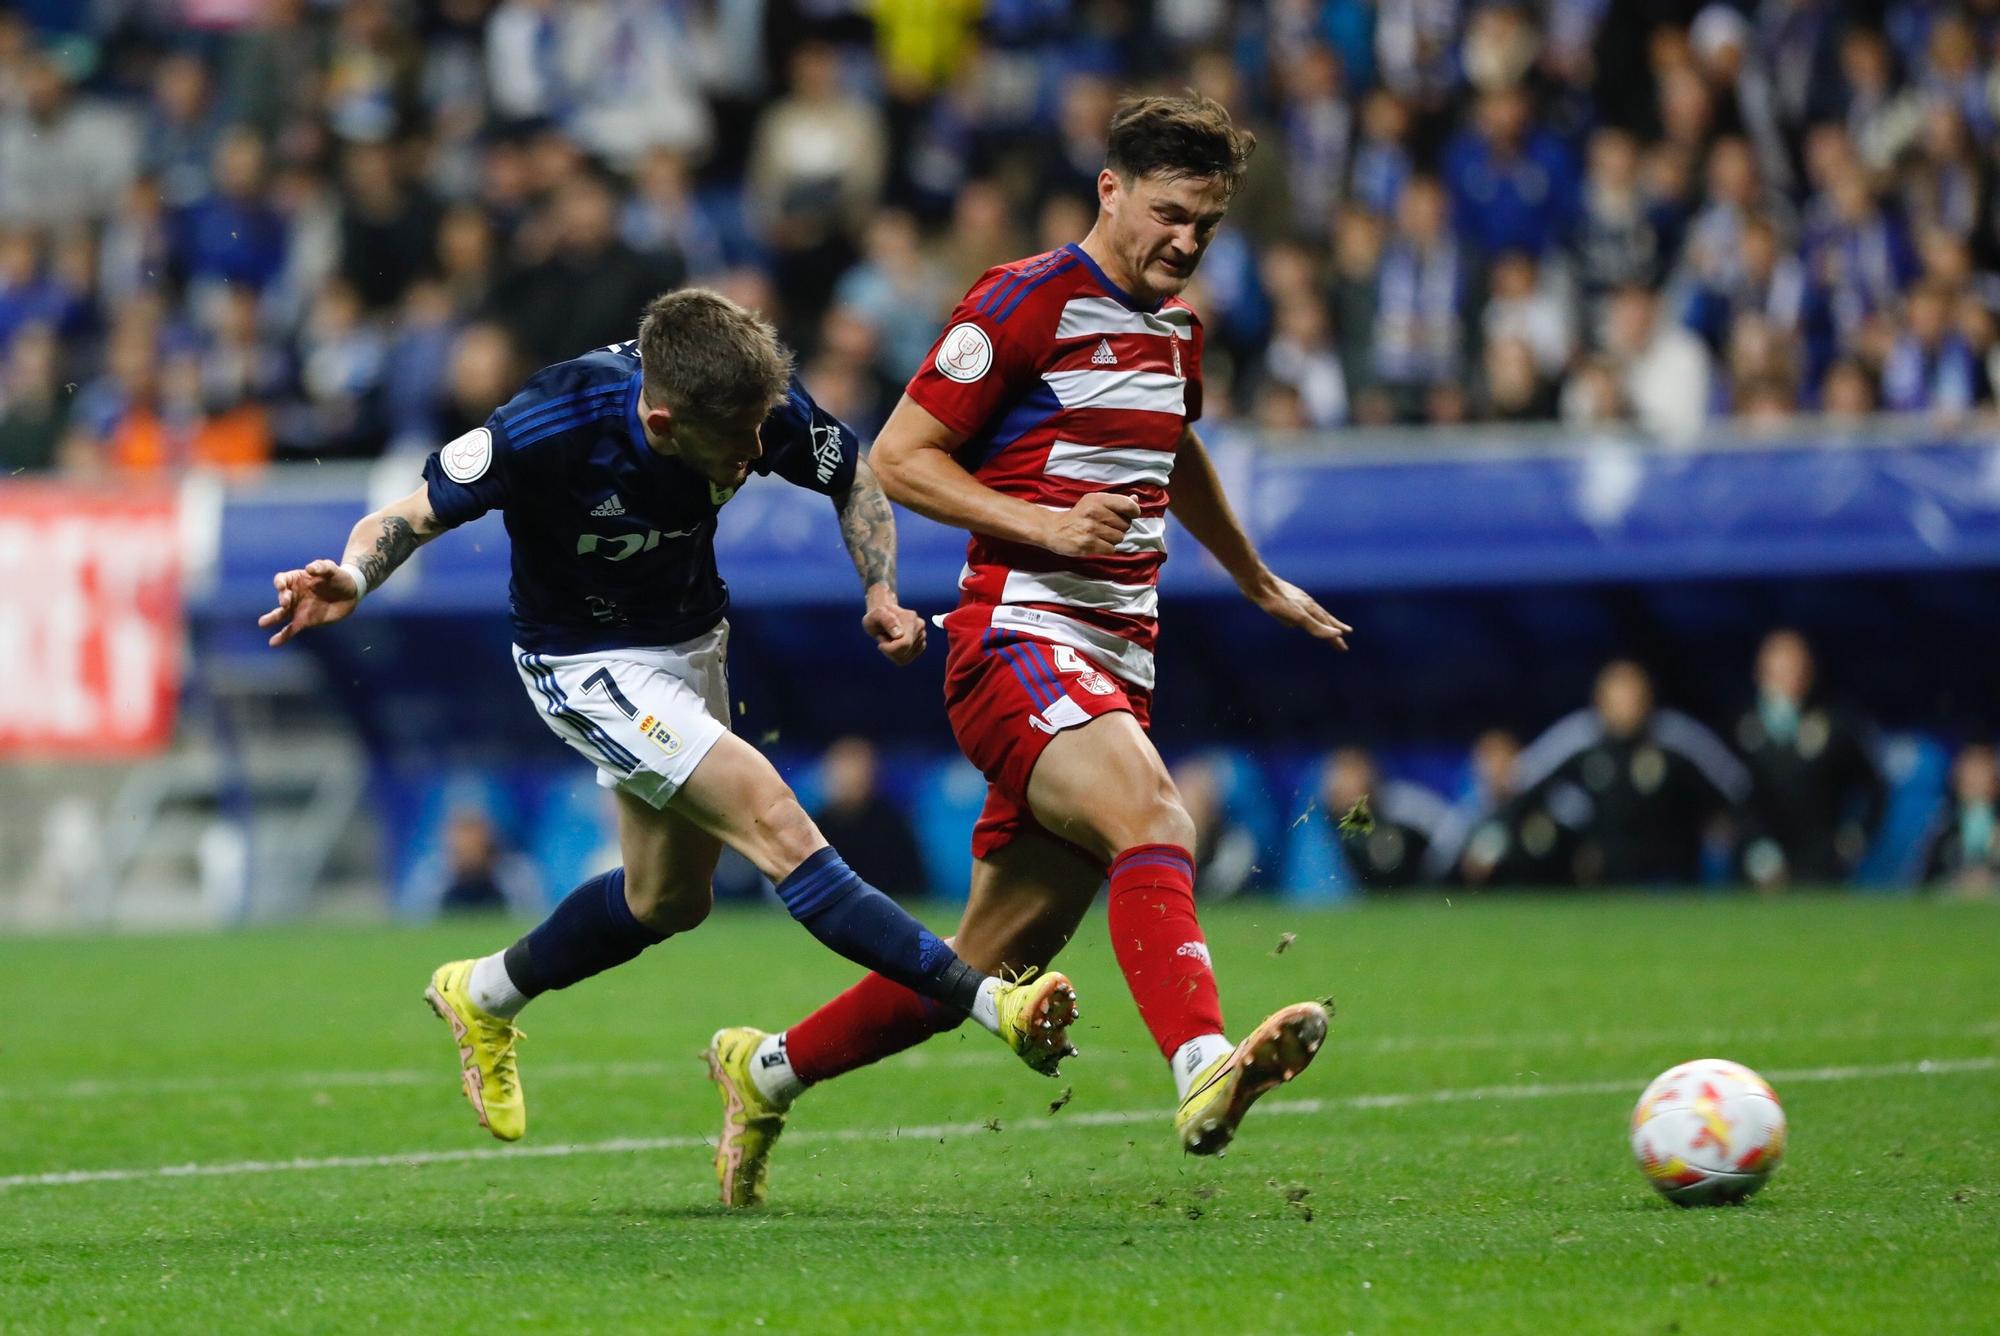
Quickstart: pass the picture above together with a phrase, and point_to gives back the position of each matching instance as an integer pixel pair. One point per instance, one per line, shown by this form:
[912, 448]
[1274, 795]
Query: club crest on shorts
[665, 738]
[1096, 683]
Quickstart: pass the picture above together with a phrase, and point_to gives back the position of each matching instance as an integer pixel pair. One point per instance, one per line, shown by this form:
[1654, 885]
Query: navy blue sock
[591, 931]
[873, 931]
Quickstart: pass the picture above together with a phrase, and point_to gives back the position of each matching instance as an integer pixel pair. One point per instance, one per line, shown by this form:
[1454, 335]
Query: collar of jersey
[1110, 287]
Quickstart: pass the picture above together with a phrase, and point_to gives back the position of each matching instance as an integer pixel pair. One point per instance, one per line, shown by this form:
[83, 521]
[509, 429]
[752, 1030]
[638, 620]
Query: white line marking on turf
[933, 1131]
[931, 1057]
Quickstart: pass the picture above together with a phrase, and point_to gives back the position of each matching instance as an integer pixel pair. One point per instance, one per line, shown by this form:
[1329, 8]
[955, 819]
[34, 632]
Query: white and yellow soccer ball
[1708, 1132]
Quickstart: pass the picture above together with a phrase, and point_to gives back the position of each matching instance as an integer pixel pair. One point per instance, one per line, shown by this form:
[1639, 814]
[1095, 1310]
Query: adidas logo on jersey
[1104, 356]
[608, 507]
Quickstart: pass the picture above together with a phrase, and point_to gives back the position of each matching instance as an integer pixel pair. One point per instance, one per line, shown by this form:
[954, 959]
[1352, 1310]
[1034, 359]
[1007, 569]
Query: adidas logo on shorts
[1104, 356]
[608, 507]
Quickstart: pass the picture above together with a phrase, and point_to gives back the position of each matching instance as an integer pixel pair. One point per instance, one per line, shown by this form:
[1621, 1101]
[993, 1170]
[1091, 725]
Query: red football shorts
[1006, 695]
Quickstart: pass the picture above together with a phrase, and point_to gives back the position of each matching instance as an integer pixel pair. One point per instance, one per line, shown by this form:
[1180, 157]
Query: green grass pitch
[1455, 1161]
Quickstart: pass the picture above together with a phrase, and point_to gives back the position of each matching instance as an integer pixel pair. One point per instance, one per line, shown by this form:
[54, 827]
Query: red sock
[1160, 946]
[870, 1021]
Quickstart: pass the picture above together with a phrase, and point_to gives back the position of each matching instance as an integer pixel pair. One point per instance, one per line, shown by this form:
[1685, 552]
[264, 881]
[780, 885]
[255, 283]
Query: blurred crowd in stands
[1622, 793]
[238, 230]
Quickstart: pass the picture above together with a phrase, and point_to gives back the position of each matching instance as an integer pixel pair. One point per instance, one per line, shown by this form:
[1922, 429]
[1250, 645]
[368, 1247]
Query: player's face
[1161, 226]
[722, 452]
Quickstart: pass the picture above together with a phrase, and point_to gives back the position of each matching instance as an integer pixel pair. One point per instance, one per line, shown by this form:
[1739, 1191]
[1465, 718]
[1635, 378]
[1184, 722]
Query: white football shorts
[643, 716]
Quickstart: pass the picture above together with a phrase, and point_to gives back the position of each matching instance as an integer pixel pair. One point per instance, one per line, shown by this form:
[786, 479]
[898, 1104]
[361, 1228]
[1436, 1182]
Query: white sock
[1190, 1058]
[492, 990]
[771, 1072]
[986, 1006]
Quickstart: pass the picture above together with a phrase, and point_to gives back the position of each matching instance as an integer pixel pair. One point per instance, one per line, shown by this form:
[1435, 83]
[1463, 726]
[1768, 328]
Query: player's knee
[1161, 819]
[785, 835]
[668, 906]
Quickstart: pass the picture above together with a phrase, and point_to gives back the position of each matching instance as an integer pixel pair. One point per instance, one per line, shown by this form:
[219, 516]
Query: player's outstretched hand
[899, 633]
[1093, 526]
[1295, 607]
[319, 594]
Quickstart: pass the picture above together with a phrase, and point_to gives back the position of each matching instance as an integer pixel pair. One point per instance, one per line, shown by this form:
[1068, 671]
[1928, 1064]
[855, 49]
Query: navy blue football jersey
[613, 543]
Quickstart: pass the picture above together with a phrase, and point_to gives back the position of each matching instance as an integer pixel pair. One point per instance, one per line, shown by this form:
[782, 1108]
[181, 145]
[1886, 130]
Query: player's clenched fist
[321, 593]
[1093, 526]
[898, 632]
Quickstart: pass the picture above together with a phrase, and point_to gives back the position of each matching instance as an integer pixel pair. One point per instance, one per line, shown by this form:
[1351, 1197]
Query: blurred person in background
[869, 828]
[1816, 793]
[1513, 185]
[1420, 301]
[1496, 835]
[1383, 163]
[343, 359]
[1318, 135]
[1654, 782]
[589, 287]
[475, 873]
[1225, 849]
[1762, 279]
[1521, 305]
[65, 158]
[1662, 368]
[1358, 238]
[35, 292]
[34, 407]
[1962, 853]
[181, 129]
[485, 369]
[1384, 827]
[818, 163]
[1931, 368]
[388, 227]
[467, 259]
[231, 235]
[1593, 395]
[1616, 242]
[1303, 354]
[663, 219]
[1511, 387]
[898, 288]
[1848, 389]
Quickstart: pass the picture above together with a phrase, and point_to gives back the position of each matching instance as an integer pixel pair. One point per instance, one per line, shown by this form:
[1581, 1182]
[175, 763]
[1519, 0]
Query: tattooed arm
[326, 591]
[868, 527]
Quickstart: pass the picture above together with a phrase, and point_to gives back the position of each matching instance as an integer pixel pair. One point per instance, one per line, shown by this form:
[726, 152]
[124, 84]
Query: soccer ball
[1708, 1132]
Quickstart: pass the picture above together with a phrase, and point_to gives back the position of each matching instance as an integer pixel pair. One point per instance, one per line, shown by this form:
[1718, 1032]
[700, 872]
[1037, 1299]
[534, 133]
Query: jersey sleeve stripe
[1111, 465]
[1021, 291]
[1000, 290]
[554, 408]
[613, 408]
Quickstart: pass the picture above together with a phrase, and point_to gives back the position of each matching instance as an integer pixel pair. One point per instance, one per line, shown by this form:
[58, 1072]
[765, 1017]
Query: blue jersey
[613, 543]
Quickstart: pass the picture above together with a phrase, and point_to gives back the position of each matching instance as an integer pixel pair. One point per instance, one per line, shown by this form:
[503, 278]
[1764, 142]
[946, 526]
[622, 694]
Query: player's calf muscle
[668, 906]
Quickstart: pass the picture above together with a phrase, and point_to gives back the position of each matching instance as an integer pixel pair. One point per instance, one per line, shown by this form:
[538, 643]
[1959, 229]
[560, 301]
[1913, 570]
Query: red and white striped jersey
[1064, 385]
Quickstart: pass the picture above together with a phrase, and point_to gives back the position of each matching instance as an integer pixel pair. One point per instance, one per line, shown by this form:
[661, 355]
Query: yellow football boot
[1275, 1052]
[485, 1052]
[750, 1122]
[1035, 1016]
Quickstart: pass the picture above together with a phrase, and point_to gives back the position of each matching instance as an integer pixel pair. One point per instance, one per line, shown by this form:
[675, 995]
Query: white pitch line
[934, 1131]
[931, 1057]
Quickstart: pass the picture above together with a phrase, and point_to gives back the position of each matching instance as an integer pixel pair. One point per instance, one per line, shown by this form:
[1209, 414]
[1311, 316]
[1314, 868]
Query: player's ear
[659, 420]
[1109, 188]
